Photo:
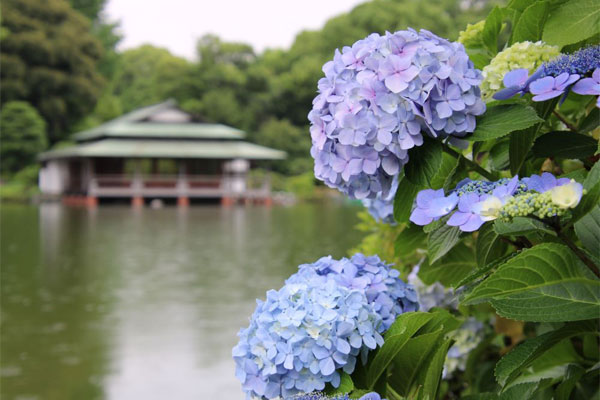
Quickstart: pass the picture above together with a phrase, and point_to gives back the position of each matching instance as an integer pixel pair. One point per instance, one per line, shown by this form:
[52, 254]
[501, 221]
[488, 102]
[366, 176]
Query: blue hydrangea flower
[431, 205]
[589, 86]
[544, 182]
[466, 218]
[549, 87]
[382, 208]
[381, 284]
[330, 312]
[376, 100]
[517, 81]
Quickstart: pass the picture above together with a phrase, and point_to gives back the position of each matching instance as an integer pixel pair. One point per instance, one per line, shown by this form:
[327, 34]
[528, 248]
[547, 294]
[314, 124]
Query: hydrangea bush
[496, 204]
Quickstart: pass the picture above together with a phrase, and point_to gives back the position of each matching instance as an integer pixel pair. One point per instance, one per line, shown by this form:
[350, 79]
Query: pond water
[116, 303]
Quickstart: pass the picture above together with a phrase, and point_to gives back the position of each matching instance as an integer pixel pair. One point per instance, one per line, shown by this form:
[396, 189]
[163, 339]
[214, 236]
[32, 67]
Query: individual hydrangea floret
[376, 100]
[380, 283]
[328, 314]
[589, 86]
[431, 205]
[382, 208]
[549, 87]
[523, 55]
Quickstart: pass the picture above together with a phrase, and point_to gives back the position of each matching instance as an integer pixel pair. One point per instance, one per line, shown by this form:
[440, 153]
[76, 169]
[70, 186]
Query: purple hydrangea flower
[466, 218]
[549, 87]
[543, 183]
[589, 86]
[382, 208]
[517, 81]
[431, 205]
[376, 100]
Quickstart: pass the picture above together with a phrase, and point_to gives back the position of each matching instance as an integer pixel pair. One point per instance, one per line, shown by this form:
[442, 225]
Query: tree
[49, 59]
[22, 137]
[147, 75]
[282, 135]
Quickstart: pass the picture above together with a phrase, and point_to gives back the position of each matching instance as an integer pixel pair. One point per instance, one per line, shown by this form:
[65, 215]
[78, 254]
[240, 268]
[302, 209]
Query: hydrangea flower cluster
[434, 295]
[376, 99]
[557, 77]
[523, 55]
[382, 208]
[472, 35]
[466, 338]
[384, 289]
[480, 201]
[304, 334]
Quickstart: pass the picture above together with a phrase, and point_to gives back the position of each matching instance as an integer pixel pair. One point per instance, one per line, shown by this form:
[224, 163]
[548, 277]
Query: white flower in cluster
[526, 55]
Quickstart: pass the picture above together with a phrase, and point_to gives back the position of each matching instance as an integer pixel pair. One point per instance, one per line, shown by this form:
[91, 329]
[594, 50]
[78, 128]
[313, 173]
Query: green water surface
[117, 303]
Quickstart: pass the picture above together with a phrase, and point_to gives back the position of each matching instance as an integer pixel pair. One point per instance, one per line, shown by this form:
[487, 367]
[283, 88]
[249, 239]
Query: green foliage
[545, 283]
[572, 21]
[564, 145]
[22, 136]
[403, 201]
[49, 59]
[426, 161]
[501, 120]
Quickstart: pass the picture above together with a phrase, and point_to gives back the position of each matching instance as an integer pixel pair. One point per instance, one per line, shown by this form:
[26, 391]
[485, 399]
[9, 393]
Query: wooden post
[137, 201]
[183, 201]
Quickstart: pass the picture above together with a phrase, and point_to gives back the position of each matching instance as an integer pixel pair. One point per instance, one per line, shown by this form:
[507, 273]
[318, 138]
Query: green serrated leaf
[517, 360]
[546, 283]
[574, 373]
[503, 119]
[591, 121]
[489, 245]
[572, 22]
[520, 142]
[521, 226]
[346, 386]
[441, 241]
[591, 199]
[562, 144]
[588, 230]
[499, 155]
[491, 29]
[450, 269]
[405, 326]
[531, 23]
[480, 272]
[447, 167]
[425, 162]
[404, 199]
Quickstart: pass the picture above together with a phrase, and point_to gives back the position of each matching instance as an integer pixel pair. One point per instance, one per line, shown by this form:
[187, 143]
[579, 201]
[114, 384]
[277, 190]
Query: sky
[177, 24]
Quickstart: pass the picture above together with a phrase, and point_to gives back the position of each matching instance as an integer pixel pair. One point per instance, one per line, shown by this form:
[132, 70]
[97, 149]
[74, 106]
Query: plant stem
[582, 256]
[564, 121]
[472, 164]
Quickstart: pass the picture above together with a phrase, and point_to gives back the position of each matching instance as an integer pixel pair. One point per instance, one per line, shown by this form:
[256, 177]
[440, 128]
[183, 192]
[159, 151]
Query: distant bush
[22, 136]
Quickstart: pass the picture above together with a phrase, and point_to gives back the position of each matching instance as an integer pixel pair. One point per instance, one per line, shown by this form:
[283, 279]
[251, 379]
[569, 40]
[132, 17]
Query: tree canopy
[49, 58]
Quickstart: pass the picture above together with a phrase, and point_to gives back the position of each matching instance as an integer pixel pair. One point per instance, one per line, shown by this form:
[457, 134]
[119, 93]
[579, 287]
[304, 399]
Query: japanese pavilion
[157, 151]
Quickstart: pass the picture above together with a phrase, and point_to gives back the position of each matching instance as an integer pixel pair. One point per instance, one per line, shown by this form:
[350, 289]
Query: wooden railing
[178, 185]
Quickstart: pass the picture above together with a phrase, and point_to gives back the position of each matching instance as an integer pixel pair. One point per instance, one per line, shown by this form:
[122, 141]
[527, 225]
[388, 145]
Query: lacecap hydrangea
[477, 202]
[326, 316]
[377, 99]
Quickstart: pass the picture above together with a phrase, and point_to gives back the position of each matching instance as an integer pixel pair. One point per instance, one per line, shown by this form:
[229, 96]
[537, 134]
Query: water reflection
[121, 304]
